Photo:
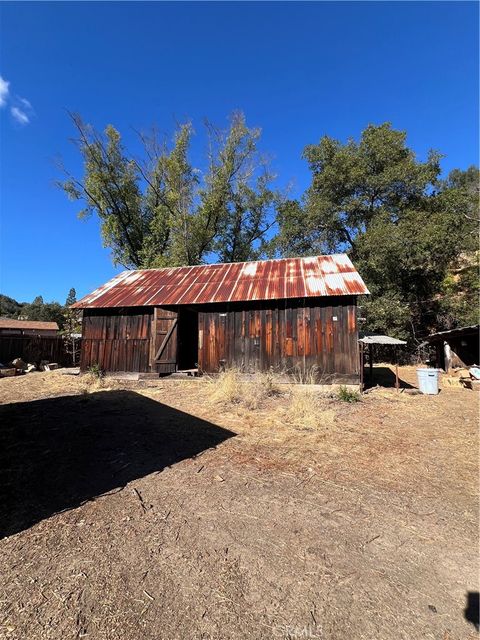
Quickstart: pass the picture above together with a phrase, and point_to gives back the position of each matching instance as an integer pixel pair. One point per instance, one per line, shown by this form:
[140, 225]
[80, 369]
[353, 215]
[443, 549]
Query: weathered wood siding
[163, 354]
[34, 349]
[283, 335]
[116, 339]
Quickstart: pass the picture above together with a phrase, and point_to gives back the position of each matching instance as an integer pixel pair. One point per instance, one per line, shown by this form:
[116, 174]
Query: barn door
[164, 342]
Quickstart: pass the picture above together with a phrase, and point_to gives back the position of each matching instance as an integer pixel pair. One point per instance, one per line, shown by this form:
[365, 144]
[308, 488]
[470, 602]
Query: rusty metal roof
[30, 325]
[317, 276]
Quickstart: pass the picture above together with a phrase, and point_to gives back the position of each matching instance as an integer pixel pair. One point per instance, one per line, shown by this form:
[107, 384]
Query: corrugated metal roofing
[33, 325]
[316, 276]
[376, 338]
[452, 333]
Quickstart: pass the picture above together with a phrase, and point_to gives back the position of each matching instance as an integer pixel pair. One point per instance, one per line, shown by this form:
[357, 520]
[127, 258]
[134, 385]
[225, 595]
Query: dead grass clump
[312, 375]
[308, 409]
[262, 387]
[226, 388]
[91, 383]
[231, 388]
[268, 382]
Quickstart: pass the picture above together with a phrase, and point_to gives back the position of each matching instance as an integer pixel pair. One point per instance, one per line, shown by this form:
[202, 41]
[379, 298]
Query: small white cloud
[21, 109]
[3, 91]
[19, 115]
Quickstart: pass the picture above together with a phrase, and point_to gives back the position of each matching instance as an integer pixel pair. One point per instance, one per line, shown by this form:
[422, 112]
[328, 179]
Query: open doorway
[187, 339]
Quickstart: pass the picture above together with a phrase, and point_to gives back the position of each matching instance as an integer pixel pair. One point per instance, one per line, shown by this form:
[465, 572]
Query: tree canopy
[10, 308]
[43, 311]
[412, 235]
[40, 310]
[163, 211]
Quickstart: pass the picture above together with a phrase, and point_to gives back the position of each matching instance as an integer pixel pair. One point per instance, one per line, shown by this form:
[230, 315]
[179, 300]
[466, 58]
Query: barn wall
[283, 335]
[116, 339]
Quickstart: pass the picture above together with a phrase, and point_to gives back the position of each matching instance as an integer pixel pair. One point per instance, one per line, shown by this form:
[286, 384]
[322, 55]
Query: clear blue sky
[297, 70]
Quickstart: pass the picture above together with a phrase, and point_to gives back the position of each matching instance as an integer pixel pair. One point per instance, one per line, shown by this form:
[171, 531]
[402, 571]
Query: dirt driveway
[149, 512]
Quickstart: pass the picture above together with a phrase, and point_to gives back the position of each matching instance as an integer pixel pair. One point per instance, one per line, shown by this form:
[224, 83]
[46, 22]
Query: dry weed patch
[308, 409]
[231, 388]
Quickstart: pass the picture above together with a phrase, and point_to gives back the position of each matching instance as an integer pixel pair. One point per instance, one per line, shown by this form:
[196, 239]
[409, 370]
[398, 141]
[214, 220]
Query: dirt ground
[145, 511]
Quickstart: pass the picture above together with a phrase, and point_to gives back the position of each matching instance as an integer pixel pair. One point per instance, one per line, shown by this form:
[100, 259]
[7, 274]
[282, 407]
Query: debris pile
[464, 377]
[19, 367]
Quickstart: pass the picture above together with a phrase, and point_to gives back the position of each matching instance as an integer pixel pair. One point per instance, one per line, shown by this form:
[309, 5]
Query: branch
[348, 237]
[113, 205]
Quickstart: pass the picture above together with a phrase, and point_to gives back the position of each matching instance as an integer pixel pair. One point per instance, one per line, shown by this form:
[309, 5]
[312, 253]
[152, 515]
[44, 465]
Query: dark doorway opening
[187, 339]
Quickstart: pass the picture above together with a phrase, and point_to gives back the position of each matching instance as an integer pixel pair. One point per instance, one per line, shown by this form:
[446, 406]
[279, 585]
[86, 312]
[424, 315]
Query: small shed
[367, 342]
[280, 315]
[12, 327]
[456, 347]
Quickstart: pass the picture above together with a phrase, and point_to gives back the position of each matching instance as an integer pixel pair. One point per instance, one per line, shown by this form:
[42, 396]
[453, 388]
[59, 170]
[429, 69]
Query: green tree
[44, 311]
[71, 298]
[459, 300]
[161, 210]
[352, 185]
[10, 308]
[402, 225]
[72, 327]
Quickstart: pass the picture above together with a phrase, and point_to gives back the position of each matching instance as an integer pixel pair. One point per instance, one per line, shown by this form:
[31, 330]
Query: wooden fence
[34, 349]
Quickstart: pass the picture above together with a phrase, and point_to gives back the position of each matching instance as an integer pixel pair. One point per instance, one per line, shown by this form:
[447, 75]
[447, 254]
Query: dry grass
[312, 375]
[308, 409]
[231, 388]
[90, 383]
[301, 407]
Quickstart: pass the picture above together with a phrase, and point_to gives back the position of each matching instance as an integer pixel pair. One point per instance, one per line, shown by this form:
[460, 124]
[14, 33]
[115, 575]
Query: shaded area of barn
[456, 347]
[57, 453]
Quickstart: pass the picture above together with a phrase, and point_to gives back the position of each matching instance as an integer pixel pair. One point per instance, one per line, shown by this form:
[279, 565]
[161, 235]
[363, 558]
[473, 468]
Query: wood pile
[19, 367]
[463, 377]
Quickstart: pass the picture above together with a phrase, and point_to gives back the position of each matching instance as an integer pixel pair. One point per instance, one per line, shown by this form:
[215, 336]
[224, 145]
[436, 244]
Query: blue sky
[298, 70]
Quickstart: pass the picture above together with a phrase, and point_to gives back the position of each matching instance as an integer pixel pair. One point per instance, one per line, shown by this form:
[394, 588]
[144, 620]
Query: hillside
[10, 308]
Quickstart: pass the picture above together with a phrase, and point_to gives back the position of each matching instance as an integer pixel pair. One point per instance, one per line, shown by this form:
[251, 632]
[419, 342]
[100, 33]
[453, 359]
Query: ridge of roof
[218, 264]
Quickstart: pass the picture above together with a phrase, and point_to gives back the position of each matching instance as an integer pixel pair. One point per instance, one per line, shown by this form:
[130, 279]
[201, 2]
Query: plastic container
[428, 381]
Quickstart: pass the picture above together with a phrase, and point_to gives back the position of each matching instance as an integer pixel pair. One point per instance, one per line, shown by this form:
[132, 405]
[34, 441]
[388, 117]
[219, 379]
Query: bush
[96, 371]
[347, 395]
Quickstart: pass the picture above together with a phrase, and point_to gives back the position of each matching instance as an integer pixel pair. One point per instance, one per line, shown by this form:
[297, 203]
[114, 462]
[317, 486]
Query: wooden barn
[11, 327]
[293, 314]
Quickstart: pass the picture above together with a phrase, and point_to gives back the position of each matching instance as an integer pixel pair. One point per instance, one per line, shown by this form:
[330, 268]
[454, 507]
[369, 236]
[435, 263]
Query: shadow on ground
[57, 453]
[472, 610]
[385, 377]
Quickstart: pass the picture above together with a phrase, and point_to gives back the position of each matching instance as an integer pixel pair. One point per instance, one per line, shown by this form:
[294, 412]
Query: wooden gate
[164, 342]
